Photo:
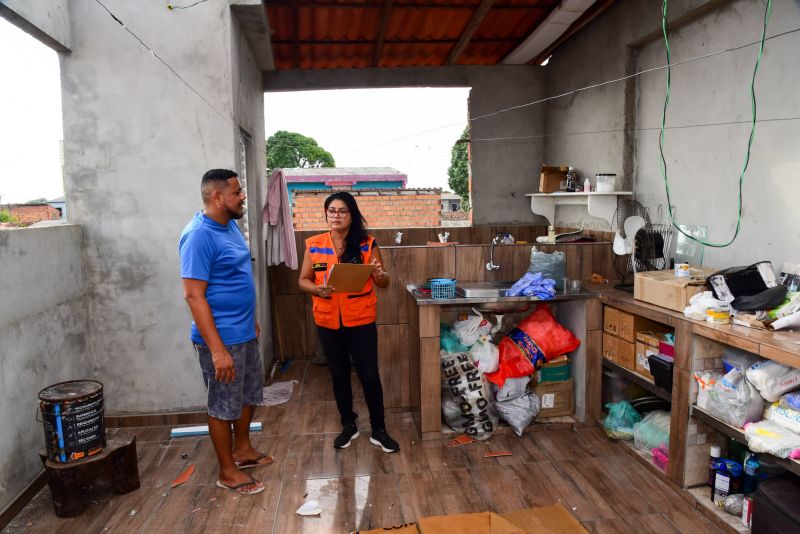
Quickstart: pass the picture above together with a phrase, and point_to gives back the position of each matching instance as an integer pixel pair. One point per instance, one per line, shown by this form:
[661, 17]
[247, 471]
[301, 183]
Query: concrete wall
[46, 21]
[502, 171]
[704, 163]
[136, 143]
[43, 340]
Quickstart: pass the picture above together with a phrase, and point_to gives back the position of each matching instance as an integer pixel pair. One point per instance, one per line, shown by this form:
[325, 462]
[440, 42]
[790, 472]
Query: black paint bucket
[72, 413]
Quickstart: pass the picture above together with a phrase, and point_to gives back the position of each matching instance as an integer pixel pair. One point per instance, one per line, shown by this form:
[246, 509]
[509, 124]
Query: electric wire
[171, 7]
[663, 161]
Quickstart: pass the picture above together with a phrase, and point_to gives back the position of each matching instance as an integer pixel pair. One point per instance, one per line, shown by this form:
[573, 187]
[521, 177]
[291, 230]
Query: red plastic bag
[537, 339]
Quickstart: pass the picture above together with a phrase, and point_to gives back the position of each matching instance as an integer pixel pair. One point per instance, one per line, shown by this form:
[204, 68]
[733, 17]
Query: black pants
[362, 343]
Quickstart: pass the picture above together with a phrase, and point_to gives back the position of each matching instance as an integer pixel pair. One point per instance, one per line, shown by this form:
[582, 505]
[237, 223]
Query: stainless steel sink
[483, 289]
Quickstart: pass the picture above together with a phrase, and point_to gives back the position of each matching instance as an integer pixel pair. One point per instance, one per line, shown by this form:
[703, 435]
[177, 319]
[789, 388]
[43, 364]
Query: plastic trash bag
[470, 329]
[738, 358]
[773, 379]
[699, 303]
[786, 417]
[537, 339]
[652, 431]
[768, 436]
[705, 383]
[791, 401]
[463, 385]
[520, 411]
[734, 400]
[513, 388]
[553, 265]
[449, 341]
[620, 420]
[485, 354]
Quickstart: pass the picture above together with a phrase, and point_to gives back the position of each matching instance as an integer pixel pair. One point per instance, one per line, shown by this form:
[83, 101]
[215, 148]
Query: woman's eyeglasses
[342, 212]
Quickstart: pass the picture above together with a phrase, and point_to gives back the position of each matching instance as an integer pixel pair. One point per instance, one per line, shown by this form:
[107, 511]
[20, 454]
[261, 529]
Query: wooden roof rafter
[385, 16]
[469, 31]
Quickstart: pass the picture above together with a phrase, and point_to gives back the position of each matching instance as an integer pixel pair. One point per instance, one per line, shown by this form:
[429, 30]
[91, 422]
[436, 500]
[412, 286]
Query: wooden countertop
[781, 346]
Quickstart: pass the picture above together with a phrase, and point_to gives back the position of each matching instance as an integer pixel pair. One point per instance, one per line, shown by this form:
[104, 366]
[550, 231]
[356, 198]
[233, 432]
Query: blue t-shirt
[219, 255]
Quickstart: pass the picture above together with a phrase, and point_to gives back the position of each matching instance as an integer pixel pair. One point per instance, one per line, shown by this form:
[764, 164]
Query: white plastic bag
[768, 436]
[734, 400]
[513, 388]
[485, 354]
[705, 383]
[699, 303]
[773, 379]
[466, 387]
[471, 328]
[652, 431]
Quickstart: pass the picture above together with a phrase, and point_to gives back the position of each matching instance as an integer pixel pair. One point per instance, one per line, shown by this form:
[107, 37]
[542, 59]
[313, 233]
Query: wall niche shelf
[600, 205]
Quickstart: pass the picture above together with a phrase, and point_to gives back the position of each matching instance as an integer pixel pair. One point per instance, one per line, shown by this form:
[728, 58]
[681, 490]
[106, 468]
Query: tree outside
[458, 172]
[291, 149]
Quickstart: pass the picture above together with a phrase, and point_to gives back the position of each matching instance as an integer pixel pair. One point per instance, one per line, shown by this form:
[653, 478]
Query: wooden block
[429, 321]
[594, 315]
[430, 385]
[594, 374]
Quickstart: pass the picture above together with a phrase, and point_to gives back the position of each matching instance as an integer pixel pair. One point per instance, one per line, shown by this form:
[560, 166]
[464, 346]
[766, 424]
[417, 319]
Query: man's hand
[224, 370]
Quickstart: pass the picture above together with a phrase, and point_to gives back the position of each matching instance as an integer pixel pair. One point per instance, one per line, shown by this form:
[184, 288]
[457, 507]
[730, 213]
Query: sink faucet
[495, 241]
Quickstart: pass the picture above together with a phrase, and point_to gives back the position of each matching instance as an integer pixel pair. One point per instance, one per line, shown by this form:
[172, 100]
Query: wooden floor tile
[419, 496]
[457, 492]
[691, 521]
[498, 487]
[534, 487]
[309, 417]
[585, 501]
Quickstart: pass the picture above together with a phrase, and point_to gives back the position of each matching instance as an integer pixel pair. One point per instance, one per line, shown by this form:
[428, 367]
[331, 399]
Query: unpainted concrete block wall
[43, 339]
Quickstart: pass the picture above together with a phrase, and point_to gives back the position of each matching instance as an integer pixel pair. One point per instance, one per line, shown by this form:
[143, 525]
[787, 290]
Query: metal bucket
[72, 414]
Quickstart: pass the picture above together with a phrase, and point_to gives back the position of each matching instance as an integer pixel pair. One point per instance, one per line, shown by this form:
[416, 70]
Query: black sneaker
[348, 434]
[384, 441]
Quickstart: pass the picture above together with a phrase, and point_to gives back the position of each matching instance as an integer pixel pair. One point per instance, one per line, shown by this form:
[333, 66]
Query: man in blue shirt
[219, 288]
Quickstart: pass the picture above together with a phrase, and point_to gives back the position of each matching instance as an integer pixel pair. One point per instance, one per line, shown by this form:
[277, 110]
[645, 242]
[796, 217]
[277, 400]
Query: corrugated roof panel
[338, 24]
[281, 23]
[284, 56]
[485, 53]
[514, 24]
[335, 56]
[427, 24]
[409, 55]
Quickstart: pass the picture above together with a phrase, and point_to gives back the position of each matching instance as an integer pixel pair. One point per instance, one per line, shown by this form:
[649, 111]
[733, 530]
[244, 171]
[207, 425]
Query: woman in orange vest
[346, 321]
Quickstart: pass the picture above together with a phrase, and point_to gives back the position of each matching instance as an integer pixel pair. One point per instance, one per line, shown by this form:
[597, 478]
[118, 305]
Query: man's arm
[195, 294]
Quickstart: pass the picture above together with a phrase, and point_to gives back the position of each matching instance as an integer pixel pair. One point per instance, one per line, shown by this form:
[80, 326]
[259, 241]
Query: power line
[171, 7]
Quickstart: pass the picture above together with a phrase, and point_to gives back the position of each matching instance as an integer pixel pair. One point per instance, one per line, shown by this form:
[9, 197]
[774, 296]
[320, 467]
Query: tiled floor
[361, 487]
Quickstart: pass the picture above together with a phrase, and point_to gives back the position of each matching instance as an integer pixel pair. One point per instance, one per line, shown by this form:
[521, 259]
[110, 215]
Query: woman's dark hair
[358, 227]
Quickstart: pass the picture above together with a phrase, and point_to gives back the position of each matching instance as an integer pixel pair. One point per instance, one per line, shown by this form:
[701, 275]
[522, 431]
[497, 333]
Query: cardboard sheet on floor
[349, 277]
[544, 520]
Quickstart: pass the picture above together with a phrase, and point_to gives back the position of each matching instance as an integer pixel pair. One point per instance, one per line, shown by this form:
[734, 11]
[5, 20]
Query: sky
[359, 127]
[30, 118]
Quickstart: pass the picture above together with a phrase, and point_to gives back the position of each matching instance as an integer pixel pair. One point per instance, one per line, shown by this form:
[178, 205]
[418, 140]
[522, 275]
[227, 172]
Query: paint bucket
[682, 270]
[72, 414]
[718, 315]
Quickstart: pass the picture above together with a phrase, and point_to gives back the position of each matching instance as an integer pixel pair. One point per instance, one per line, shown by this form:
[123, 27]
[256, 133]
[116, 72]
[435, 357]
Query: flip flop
[238, 488]
[255, 462]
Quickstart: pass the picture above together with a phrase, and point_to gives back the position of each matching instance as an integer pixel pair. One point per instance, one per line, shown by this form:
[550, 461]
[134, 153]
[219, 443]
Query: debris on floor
[310, 508]
[497, 454]
[462, 439]
[278, 393]
[184, 476]
[202, 430]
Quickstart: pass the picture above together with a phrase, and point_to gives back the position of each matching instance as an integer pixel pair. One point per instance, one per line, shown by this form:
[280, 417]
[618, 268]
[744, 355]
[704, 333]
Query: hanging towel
[277, 219]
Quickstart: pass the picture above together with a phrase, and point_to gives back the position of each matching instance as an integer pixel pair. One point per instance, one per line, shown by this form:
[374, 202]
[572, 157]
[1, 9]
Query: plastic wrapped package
[470, 329]
[520, 411]
[463, 385]
[705, 383]
[786, 417]
[620, 420]
[738, 358]
[553, 265]
[700, 303]
[773, 379]
[652, 431]
[485, 354]
[661, 457]
[513, 388]
[768, 436]
[734, 400]
[791, 400]
[449, 342]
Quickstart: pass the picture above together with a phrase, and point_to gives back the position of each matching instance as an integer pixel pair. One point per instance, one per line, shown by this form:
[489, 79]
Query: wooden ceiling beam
[469, 31]
[386, 14]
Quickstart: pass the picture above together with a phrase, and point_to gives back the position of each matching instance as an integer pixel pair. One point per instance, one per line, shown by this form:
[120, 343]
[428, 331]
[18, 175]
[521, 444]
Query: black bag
[736, 282]
[766, 300]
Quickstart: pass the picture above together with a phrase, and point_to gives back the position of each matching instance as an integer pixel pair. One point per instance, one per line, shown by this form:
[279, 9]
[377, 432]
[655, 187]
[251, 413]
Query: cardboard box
[642, 363]
[663, 289]
[551, 177]
[557, 398]
[625, 354]
[624, 325]
[609, 346]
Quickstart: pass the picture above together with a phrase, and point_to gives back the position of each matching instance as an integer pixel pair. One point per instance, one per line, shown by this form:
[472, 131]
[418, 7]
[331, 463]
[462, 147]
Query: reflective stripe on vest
[348, 309]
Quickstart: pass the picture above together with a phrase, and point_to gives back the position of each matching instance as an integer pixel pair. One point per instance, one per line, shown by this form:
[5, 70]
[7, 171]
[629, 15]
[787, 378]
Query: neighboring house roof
[450, 196]
[344, 175]
[59, 199]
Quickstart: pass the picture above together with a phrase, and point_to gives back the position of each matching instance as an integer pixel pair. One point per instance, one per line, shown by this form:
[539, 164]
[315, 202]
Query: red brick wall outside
[383, 208]
[31, 213]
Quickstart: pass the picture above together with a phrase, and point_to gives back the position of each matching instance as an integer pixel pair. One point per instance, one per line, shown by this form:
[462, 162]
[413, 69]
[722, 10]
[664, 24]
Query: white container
[606, 183]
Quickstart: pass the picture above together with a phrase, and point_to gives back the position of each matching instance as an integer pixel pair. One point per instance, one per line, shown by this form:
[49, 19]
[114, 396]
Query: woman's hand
[378, 273]
[324, 291]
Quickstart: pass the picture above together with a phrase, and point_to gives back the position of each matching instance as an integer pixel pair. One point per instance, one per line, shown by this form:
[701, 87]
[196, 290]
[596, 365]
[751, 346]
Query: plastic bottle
[714, 453]
[572, 181]
[587, 186]
[750, 481]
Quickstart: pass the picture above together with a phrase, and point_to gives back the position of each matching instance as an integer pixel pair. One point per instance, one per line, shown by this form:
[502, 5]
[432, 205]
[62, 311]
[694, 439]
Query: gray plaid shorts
[225, 401]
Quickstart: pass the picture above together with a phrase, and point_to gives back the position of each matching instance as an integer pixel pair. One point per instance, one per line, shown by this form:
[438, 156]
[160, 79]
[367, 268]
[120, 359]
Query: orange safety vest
[348, 309]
